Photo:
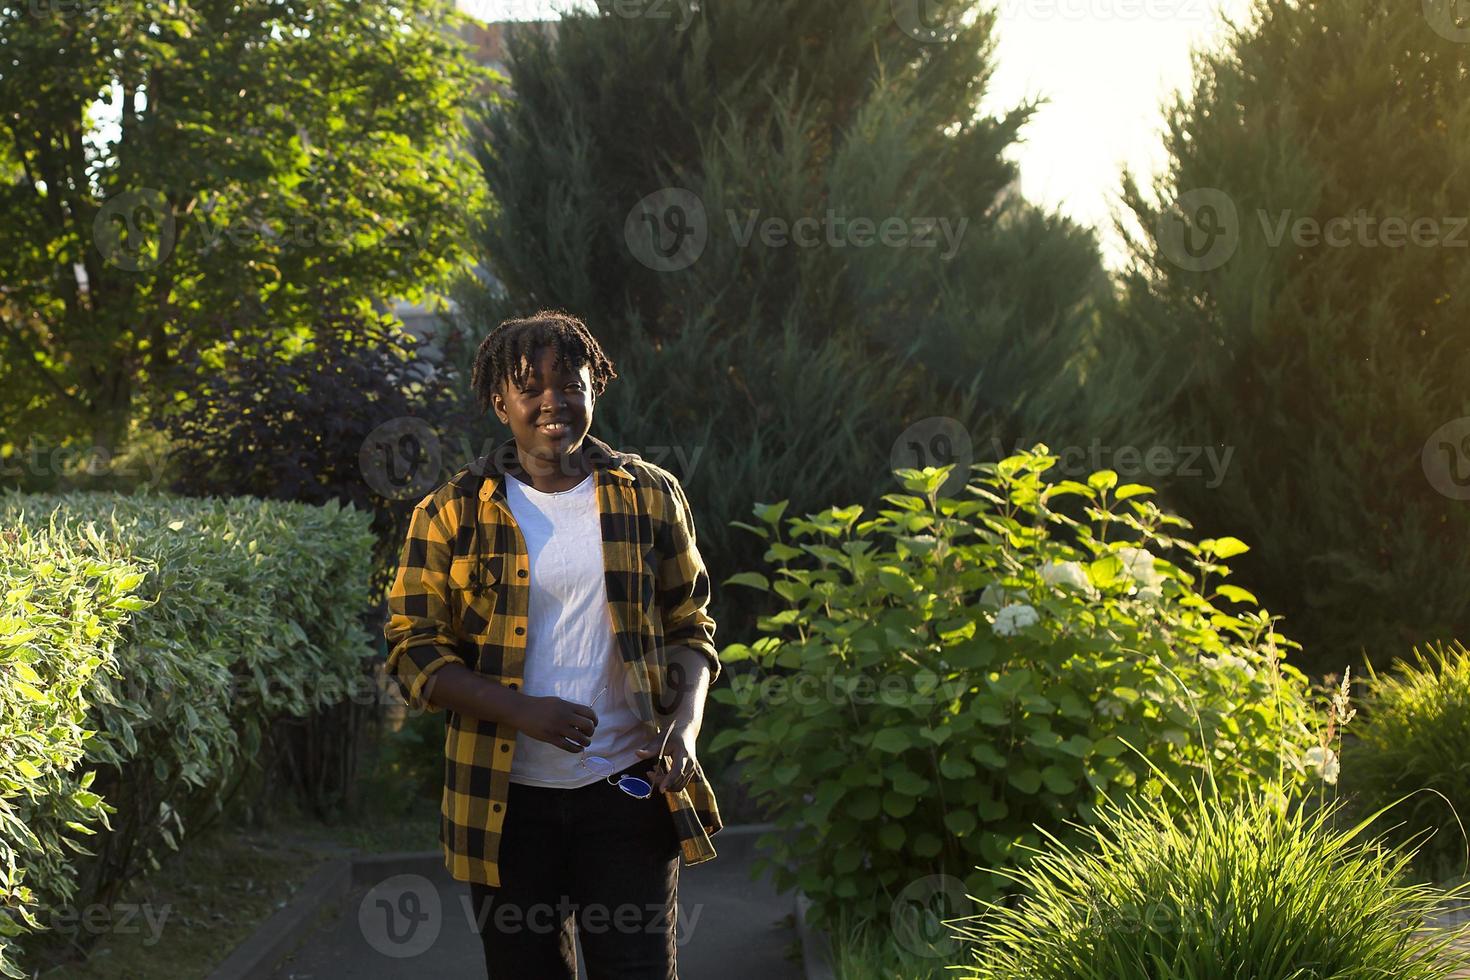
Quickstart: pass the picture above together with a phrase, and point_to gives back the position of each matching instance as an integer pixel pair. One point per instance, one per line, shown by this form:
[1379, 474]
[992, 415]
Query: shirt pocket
[473, 609]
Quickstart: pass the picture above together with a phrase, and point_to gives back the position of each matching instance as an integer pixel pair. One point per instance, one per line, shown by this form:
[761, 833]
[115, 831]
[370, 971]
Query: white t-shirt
[571, 651]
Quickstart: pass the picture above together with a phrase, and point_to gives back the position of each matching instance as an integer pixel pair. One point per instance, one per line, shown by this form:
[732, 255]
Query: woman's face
[549, 394]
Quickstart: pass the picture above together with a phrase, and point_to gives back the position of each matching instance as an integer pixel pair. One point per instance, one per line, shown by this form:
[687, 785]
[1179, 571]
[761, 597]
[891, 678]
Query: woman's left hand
[678, 755]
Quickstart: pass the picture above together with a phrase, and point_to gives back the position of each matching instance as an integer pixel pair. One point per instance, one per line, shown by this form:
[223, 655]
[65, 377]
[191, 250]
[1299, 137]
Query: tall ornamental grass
[1247, 887]
[1414, 741]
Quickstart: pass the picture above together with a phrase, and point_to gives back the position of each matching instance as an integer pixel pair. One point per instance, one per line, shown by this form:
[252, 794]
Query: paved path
[729, 928]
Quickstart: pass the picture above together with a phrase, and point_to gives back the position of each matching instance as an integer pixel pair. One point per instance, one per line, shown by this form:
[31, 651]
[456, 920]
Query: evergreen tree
[634, 171]
[1296, 318]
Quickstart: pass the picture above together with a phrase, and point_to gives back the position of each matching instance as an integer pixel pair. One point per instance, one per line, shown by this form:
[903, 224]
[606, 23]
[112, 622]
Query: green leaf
[726, 738]
[1078, 746]
[1058, 780]
[1071, 706]
[991, 714]
[1131, 490]
[734, 653]
[992, 810]
[1066, 487]
[960, 822]
[1026, 780]
[892, 836]
[863, 805]
[910, 783]
[892, 740]
[927, 844]
[1224, 547]
[987, 756]
[754, 580]
[1010, 683]
[1103, 480]
[1045, 739]
[898, 804]
[130, 582]
[1105, 572]
[770, 513]
[1236, 594]
[751, 528]
[952, 767]
[895, 581]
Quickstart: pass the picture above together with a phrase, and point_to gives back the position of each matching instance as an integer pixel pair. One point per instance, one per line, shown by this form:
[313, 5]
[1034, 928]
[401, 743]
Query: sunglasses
[640, 789]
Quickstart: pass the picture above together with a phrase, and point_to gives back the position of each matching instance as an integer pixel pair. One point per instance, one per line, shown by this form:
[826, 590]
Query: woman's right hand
[557, 721]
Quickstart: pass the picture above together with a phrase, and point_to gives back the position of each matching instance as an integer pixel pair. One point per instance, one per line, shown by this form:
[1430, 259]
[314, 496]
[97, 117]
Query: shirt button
[512, 685]
[522, 573]
[497, 807]
[520, 631]
[504, 747]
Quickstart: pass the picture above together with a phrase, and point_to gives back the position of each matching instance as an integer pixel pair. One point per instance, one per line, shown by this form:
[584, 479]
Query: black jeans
[593, 856]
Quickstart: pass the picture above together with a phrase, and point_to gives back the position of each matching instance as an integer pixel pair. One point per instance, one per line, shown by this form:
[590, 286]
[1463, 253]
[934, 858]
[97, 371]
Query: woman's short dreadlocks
[505, 354]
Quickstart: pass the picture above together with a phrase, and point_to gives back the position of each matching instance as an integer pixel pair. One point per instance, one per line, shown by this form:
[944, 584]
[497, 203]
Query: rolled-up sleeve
[684, 585]
[418, 630]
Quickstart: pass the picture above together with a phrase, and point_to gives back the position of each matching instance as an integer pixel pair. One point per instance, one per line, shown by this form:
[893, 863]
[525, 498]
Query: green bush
[1412, 736]
[1251, 887]
[987, 673]
[66, 603]
[243, 612]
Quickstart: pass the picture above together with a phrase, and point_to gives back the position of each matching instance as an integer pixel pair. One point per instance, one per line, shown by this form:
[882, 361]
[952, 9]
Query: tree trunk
[111, 412]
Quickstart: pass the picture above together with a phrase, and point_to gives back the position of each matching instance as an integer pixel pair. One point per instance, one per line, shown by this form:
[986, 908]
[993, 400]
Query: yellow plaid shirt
[462, 595]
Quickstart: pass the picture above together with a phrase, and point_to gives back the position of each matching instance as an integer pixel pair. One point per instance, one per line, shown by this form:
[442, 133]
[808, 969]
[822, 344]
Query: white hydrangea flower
[1109, 707]
[1139, 565]
[1013, 617]
[1230, 660]
[1324, 762]
[1068, 573]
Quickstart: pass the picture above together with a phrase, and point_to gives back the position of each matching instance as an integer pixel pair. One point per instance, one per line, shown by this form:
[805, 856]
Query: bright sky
[1108, 66]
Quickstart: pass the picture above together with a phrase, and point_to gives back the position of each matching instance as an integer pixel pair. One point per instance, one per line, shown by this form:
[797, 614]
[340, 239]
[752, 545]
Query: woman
[551, 599]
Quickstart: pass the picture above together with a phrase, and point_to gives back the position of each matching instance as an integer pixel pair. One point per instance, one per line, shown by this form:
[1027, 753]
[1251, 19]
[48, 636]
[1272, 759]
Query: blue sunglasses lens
[635, 786]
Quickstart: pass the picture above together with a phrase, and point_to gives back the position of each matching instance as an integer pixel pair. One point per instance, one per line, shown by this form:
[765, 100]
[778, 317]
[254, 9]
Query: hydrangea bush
[950, 674]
